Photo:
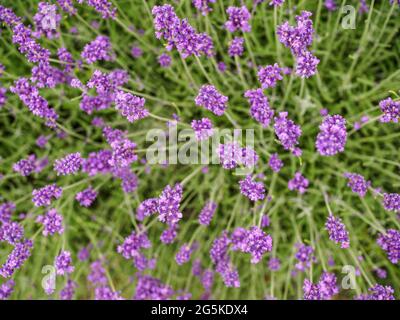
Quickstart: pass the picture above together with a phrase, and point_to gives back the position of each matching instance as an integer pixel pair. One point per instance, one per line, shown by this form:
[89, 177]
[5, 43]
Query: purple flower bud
[332, 136]
[211, 99]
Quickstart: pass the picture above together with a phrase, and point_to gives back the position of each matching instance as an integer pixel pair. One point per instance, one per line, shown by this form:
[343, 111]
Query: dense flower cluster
[337, 231]
[332, 136]
[298, 183]
[260, 109]
[357, 183]
[238, 19]
[251, 189]
[390, 109]
[211, 99]
[391, 202]
[287, 131]
[52, 222]
[390, 242]
[202, 128]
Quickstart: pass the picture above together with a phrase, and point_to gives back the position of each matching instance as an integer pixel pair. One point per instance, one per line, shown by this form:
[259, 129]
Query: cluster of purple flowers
[275, 163]
[391, 202]
[63, 263]
[104, 7]
[47, 21]
[236, 47]
[164, 60]
[269, 75]
[260, 109]
[86, 197]
[17, 257]
[304, 256]
[251, 189]
[69, 164]
[287, 132]
[325, 289]
[298, 39]
[149, 288]
[52, 222]
[231, 155]
[390, 109]
[184, 253]
[298, 183]
[390, 242]
[130, 106]
[332, 136]
[378, 292]
[357, 183]
[43, 196]
[203, 6]
[202, 128]
[253, 241]
[238, 19]
[180, 34]
[11, 232]
[211, 99]
[207, 213]
[337, 231]
[98, 49]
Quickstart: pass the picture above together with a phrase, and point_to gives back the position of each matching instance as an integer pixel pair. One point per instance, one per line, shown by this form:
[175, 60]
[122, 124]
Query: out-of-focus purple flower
[86, 197]
[11, 232]
[97, 275]
[147, 208]
[136, 51]
[274, 264]
[98, 49]
[25, 166]
[67, 293]
[298, 183]
[8, 16]
[265, 221]
[131, 248]
[69, 164]
[211, 99]
[184, 253]
[7, 288]
[332, 136]
[52, 222]
[149, 288]
[275, 163]
[337, 231]
[207, 213]
[164, 60]
[269, 75]
[260, 109]
[104, 7]
[41, 141]
[197, 269]
[123, 153]
[378, 292]
[236, 47]
[304, 256]
[390, 109]
[3, 97]
[168, 204]
[238, 19]
[202, 128]
[363, 7]
[63, 263]
[381, 273]
[391, 202]
[287, 131]
[169, 235]
[67, 6]
[207, 279]
[390, 242]
[47, 20]
[17, 257]
[203, 6]
[330, 5]
[45, 75]
[6, 210]
[106, 293]
[325, 289]
[221, 66]
[253, 190]
[43, 196]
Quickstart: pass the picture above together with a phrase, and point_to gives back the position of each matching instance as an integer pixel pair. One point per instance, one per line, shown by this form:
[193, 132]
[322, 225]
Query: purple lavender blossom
[337, 231]
[11, 232]
[207, 279]
[276, 3]
[168, 204]
[6, 210]
[253, 190]
[202, 129]
[236, 47]
[203, 6]
[104, 7]
[41, 141]
[211, 99]
[146, 208]
[274, 264]
[298, 183]
[169, 235]
[136, 51]
[123, 153]
[287, 131]
[391, 202]
[260, 109]
[269, 75]
[69, 164]
[47, 20]
[106, 293]
[330, 5]
[207, 213]
[164, 60]
[6, 289]
[275, 163]
[378, 292]
[149, 288]
[304, 256]
[184, 254]
[86, 197]
[67, 6]
[98, 49]
[25, 166]
[8, 16]
[68, 291]
[43, 197]
[390, 242]
[357, 183]
[97, 163]
[17, 257]
[306, 64]
[130, 106]
[52, 222]
[238, 19]
[390, 109]
[63, 263]
[3, 97]
[332, 136]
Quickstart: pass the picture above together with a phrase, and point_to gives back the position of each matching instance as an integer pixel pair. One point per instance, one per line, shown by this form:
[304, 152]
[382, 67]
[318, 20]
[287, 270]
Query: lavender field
[201, 149]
